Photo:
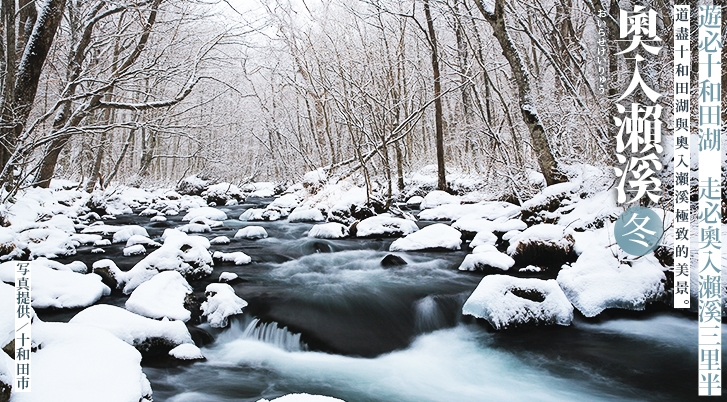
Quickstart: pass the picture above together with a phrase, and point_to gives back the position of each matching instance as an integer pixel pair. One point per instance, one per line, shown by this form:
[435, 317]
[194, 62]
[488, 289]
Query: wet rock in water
[193, 185]
[392, 260]
[194, 304]
[543, 245]
[200, 336]
[321, 247]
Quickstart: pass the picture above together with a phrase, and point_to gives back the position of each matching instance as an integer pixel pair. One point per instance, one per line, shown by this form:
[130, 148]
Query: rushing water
[324, 317]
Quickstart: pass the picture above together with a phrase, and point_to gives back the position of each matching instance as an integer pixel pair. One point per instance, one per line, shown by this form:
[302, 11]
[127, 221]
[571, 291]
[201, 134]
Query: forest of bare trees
[150, 91]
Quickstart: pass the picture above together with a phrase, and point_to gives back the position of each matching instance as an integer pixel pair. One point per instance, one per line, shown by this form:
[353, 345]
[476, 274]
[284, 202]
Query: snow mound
[238, 257]
[161, 296]
[58, 289]
[286, 201]
[195, 228]
[81, 363]
[125, 233]
[220, 240]
[222, 193]
[145, 241]
[543, 244]
[186, 351]
[158, 218]
[260, 214]
[210, 213]
[415, 201]
[506, 301]
[227, 276]
[330, 230]
[136, 249]
[47, 242]
[436, 236]
[132, 328]
[7, 321]
[260, 189]
[302, 398]
[251, 232]
[303, 214]
[437, 198]
[483, 237]
[492, 210]
[591, 212]
[476, 225]
[491, 259]
[600, 279]
[385, 225]
[221, 303]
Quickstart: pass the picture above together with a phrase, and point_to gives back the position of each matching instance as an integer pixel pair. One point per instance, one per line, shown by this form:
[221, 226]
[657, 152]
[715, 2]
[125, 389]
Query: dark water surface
[324, 317]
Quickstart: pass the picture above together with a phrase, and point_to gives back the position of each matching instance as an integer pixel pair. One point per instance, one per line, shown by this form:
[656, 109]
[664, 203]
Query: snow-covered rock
[286, 201]
[194, 228]
[7, 321]
[260, 214]
[260, 189]
[330, 230]
[542, 245]
[483, 237]
[592, 212]
[221, 303]
[304, 214]
[220, 240]
[238, 257]
[47, 242]
[134, 329]
[125, 233]
[251, 232]
[302, 398]
[102, 242]
[437, 198]
[541, 208]
[603, 278]
[486, 258]
[82, 363]
[210, 213]
[385, 225]
[145, 241]
[136, 249]
[161, 296]
[436, 236]
[491, 210]
[476, 225]
[506, 301]
[227, 276]
[110, 274]
[59, 289]
[414, 201]
[158, 218]
[222, 193]
[192, 185]
[186, 351]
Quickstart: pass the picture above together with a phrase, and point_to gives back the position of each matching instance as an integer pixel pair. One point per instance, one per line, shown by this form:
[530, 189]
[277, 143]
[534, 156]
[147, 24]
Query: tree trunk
[441, 174]
[548, 164]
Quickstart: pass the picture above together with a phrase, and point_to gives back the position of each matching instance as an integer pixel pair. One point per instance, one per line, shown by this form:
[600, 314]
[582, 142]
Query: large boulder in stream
[543, 245]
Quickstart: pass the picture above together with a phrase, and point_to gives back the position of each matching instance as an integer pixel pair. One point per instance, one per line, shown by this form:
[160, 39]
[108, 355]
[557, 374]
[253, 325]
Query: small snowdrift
[221, 303]
[385, 225]
[541, 208]
[542, 245]
[302, 398]
[433, 237]
[330, 230]
[161, 296]
[210, 213]
[486, 258]
[251, 233]
[304, 214]
[507, 302]
[237, 257]
[437, 198]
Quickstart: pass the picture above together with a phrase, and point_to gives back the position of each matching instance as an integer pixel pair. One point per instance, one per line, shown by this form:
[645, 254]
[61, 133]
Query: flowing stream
[324, 317]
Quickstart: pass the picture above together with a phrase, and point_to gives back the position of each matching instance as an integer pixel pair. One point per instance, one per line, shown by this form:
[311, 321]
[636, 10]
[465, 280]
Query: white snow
[602, 278]
[315, 178]
[476, 225]
[227, 276]
[81, 363]
[194, 228]
[492, 210]
[101, 228]
[158, 218]
[303, 398]
[137, 239]
[546, 234]
[102, 242]
[437, 198]
[304, 214]
[186, 351]
[260, 189]
[81, 238]
[132, 328]
[220, 240]
[47, 242]
[221, 303]
[480, 260]
[415, 201]
[330, 230]
[555, 191]
[238, 257]
[97, 251]
[7, 321]
[433, 236]
[585, 213]
[385, 225]
[161, 296]
[149, 212]
[210, 213]
[251, 232]
[125, 233]
[59, 289]
[494, 300]
[287, 201]
[136, 249]
[483, 237]
[254, 214]
[112, 269]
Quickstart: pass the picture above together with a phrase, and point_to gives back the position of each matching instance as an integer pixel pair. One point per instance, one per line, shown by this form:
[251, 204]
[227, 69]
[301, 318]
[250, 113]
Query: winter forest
[334, 200]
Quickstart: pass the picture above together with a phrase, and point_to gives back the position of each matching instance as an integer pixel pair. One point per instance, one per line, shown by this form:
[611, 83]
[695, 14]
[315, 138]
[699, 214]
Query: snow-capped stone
[7, 321]
[543, 244]
[134, 329]
[541, 207]
[287, 201]
[194, 228]
[221, 303]
[302, 398]
[330, 230]
[483, 237]
[220, 240]
[158, 218]
[125, 233]
[437, 198]
[591, 212]
[260, 189]
[59, 289]
[238, 257]
[491, 210]
[82, 363]
[251, 232]
[210, 213]
[414, 201]
[81, 238]
[186, 351]
[47, 242]
[110, 274]
[602, 279]
[102, 242]
[136, 239]
[222, 193]
[505, 301]
[227, 276]
[486, 258]
[97, 251]
[161, 296]
[385, 225]
[136, 249]
[149, 212]
[436, 236]
[260, 214]
[476, 225]
[303, 214]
